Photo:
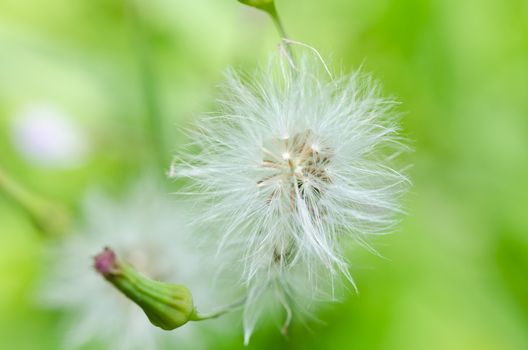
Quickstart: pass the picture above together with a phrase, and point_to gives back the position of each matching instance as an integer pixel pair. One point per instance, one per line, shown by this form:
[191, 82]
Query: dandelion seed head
[295, 165]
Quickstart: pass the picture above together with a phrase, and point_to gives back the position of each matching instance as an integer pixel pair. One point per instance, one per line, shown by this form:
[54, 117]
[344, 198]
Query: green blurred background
[455, 275]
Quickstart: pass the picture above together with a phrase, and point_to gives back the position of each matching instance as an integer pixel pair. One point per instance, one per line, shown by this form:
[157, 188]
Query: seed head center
[297, 161]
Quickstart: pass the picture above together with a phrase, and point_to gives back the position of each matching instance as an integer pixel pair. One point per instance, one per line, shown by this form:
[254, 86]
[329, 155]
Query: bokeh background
[454, 276]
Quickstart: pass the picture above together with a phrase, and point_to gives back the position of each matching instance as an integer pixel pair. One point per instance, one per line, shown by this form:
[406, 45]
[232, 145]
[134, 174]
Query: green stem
[217, 313]
[277, 21]
[149, 86]
[269, 7]
[47, 217]
[274, 14]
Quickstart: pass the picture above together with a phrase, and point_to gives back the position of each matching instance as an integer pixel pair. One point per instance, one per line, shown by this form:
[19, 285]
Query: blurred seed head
[148, 230]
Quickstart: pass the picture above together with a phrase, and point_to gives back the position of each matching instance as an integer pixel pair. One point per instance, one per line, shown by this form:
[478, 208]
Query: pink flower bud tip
[106, 262]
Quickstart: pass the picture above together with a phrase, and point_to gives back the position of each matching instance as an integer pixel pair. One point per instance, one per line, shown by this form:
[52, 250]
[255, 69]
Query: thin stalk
[149, 85]
[48, 217]
[274, 14]
[219, 312]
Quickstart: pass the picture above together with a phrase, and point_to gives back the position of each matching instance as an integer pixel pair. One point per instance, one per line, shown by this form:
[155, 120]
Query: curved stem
[278, 23]
[272, 11]
[217, 313]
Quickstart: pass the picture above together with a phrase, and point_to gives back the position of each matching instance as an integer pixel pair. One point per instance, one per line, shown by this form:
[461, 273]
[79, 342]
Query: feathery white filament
[295, 163]
[147, 230]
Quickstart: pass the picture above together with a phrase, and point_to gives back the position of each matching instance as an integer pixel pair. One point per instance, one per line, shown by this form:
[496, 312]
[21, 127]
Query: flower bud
[167, 306]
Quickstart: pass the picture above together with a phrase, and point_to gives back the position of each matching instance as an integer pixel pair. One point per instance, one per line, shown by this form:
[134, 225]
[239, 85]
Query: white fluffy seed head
[294, 164]
[147, 230]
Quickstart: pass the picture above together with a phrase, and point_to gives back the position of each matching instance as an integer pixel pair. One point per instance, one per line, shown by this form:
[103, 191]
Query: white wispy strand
[294, 165]
[147, 230]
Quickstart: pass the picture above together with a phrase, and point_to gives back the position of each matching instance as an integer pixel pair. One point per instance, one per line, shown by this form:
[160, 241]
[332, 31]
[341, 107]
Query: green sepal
[167, 306]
